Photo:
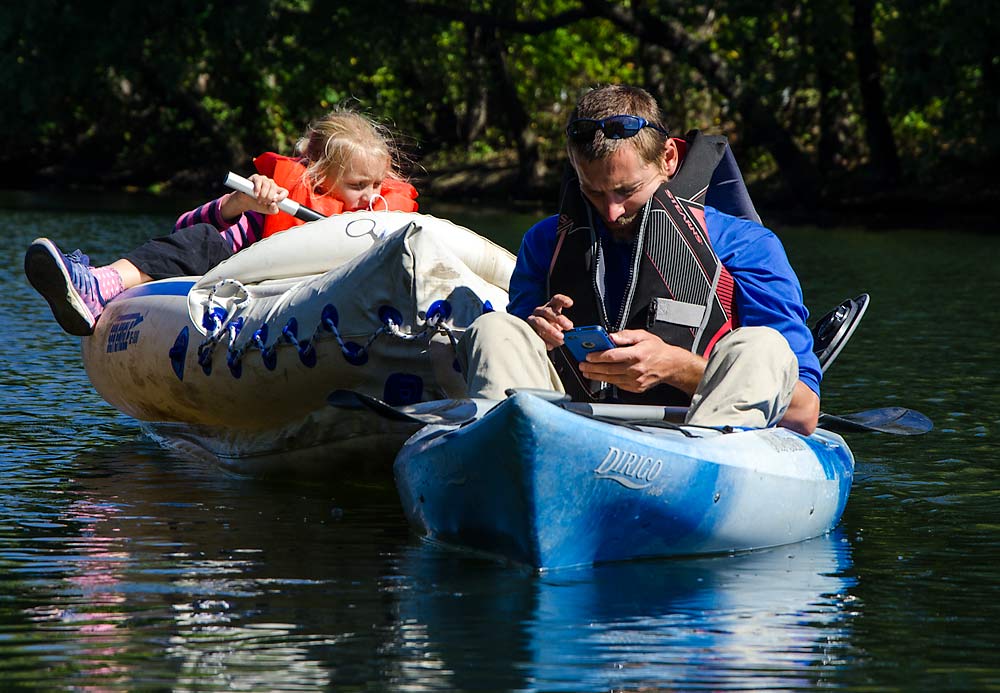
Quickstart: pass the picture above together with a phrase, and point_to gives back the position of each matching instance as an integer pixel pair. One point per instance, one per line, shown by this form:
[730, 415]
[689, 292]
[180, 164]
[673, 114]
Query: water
[124, 567]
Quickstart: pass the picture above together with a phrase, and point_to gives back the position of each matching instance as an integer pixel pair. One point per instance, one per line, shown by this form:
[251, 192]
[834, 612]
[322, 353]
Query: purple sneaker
[67, 282]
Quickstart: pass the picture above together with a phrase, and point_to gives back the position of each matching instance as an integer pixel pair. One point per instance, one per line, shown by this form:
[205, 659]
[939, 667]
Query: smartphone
[582, 340]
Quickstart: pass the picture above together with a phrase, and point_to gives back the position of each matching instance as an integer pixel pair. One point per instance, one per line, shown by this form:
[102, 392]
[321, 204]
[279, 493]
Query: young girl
[346, 163]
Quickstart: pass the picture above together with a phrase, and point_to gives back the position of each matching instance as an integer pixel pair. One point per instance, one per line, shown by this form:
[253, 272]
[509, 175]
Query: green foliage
[113, 94]
[943, 77]
[552, 70]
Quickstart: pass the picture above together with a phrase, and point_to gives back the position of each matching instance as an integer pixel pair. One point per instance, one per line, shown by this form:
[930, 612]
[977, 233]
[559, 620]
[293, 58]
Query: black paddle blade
[448, 412]
[894, 420]
[832, 331]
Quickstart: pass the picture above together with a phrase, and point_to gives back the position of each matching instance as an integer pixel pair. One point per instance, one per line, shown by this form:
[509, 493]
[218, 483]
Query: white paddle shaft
[241, 184]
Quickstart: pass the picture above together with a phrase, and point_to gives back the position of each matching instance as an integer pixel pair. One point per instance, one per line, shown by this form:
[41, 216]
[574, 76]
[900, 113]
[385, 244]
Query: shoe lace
[83, 277]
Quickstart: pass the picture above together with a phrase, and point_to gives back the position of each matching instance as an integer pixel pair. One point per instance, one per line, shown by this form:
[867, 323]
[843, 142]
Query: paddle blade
[447, 412]
[833, 330]
[893, 420]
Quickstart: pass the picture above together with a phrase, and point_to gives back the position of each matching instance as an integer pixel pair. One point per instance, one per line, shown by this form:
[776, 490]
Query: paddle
[455, 412]
[832, 331]
[241, 184]
[445, 412]
[895, 420]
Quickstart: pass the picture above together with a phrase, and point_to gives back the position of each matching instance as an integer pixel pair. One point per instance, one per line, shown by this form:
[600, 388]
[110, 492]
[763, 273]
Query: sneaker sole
[47, 274]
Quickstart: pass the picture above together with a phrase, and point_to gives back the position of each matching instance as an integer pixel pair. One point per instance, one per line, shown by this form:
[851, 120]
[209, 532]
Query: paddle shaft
[628, 412]
[454, 412]
[893, 420]
[241, 184]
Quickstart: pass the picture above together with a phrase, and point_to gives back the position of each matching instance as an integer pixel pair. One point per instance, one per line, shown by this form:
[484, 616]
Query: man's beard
[624, 227]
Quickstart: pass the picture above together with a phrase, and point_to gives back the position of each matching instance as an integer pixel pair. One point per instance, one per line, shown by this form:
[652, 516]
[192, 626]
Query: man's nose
[615, 208]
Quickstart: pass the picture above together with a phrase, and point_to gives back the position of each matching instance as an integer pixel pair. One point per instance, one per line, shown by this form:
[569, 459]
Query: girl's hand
[267, 195]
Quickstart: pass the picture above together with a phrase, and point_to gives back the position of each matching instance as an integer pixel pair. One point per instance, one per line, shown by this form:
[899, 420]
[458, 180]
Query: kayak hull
[538, 485]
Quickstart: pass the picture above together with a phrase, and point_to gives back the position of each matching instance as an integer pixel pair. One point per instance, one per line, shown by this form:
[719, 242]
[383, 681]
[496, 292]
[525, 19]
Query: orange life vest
[289, 173]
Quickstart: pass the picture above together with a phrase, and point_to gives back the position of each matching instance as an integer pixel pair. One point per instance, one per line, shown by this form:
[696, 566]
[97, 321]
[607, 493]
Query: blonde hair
[332, 144]
[604, 102]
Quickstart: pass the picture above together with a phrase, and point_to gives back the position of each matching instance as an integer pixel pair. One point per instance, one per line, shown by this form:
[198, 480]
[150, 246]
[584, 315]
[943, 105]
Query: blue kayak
[531, 482]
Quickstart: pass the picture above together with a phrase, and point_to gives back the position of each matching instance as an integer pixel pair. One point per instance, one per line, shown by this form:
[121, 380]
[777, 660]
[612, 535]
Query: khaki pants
[748, 380]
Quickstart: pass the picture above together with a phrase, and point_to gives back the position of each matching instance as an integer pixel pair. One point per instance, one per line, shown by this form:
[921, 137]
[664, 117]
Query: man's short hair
[618, 99]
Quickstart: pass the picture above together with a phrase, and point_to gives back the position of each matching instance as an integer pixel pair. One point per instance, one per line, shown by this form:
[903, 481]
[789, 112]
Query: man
[702, 306]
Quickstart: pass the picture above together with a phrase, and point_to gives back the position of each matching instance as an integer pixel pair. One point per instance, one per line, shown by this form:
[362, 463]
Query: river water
[126, 567]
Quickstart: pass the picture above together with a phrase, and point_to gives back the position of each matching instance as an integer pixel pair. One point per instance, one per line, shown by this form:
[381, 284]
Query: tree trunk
[477, 90]
[530, 168]
[826, 148]
[878, 132]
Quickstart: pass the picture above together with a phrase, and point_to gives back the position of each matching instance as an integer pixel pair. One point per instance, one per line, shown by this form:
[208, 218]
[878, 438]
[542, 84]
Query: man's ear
[671, 158]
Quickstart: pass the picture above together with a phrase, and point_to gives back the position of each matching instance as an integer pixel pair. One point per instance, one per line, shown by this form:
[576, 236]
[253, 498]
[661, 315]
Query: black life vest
[677, 288]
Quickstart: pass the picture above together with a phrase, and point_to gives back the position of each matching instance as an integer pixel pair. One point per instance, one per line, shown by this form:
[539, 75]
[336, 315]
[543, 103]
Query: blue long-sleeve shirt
[767, 291]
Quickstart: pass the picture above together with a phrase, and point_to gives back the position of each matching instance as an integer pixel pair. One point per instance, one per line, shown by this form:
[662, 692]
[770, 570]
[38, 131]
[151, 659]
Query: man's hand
[549, 322]
[641, 361]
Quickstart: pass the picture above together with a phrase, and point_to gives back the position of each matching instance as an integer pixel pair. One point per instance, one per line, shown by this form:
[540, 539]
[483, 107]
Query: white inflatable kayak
[237, 364]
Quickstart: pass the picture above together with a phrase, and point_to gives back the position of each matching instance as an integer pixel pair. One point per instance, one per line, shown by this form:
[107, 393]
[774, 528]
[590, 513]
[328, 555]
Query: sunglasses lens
[583, 130]
[620, 127]
[617, 130]
[613, 131]
[614, 128]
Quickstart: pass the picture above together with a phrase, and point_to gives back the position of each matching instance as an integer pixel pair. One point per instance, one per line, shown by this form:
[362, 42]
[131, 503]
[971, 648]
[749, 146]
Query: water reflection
[772, 619]
[90, 608]
[146, 571]
[223, 581]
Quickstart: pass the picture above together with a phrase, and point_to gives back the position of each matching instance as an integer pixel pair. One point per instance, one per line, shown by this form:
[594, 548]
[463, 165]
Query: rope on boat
[214, 321]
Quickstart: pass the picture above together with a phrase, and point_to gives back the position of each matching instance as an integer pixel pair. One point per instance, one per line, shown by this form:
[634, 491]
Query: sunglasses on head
[617, 127]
